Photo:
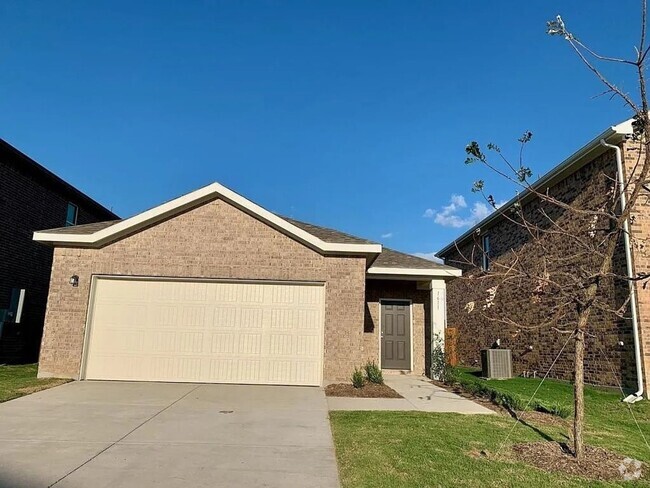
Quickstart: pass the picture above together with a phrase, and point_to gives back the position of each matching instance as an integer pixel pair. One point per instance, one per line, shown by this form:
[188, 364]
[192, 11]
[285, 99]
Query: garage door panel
[224, 316]
[281, 345]
[251, 318]
[163, 341]
[206, 332]
[307, 346]
[132, 314]
[192, 316]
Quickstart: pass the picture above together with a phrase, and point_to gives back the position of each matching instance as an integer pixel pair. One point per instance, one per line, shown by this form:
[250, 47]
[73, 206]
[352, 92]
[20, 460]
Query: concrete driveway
[115, 434]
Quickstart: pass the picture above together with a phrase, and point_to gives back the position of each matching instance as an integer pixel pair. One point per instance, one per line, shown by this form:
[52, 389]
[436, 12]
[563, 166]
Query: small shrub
[508, 400]
[373, 373]
[357, 378]
[438, 359]
[511, 401]
[558, 409]
[451, 375]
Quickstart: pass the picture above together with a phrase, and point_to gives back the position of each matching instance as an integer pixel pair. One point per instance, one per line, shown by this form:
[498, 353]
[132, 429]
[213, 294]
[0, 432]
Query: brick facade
[214, 240]
[31, 199]
[606, 361]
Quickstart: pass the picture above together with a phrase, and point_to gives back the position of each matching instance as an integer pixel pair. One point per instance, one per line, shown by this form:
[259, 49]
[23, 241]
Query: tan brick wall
[214, 240]
[421, 310]
[640, 230]
[586, 188]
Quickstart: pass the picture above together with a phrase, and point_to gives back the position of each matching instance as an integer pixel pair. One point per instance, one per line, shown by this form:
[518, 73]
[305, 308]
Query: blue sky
[352, 115]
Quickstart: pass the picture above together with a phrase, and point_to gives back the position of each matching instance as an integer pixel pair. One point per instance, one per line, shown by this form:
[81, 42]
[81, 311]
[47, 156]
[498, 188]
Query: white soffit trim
[193, 199]
[416, 272]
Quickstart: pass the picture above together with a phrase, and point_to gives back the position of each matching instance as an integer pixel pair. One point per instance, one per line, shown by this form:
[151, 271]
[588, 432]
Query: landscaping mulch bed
[597, 463]
[369, 390]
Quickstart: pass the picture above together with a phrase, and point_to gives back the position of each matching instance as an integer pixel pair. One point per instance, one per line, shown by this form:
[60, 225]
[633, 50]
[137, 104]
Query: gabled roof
[384, 262]
[107, 232]
[326, 234]
[614, 135]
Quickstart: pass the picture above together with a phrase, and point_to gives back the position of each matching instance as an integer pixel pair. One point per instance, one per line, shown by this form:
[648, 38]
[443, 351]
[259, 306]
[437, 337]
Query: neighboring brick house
[582, 180]
[211, 287]
[31, 198]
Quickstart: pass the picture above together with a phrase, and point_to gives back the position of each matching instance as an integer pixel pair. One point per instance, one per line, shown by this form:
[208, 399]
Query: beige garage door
[213, 332]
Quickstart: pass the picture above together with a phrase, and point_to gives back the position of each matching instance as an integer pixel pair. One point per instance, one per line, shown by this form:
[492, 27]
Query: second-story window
[485, 264]
[71, 215]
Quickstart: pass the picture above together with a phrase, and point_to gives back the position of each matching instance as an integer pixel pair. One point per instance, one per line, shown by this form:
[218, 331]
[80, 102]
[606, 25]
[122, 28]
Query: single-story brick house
[617, 350]
[211, 287]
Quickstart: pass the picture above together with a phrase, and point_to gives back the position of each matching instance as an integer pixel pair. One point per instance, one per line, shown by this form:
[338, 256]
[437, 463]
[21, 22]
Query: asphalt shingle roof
[84, 229]
[389, 258]
[326, 234]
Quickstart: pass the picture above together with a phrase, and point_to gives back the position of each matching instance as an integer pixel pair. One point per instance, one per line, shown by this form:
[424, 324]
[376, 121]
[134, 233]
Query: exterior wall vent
[496, 363]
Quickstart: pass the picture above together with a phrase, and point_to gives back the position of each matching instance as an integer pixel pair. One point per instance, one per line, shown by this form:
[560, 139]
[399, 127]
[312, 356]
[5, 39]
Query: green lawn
[16, 381]
[610, 422]
[413, 449]
[551, 392]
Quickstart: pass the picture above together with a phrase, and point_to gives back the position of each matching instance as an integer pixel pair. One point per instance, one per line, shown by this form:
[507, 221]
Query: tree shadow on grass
[544, 435]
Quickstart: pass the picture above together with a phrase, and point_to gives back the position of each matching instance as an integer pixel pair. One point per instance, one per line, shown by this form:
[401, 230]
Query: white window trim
[76, 214]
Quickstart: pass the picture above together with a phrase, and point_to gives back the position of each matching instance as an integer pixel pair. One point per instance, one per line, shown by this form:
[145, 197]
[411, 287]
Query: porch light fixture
[74, 280]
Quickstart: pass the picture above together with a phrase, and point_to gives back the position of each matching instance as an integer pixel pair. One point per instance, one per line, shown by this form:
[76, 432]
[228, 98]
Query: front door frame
[410, 304]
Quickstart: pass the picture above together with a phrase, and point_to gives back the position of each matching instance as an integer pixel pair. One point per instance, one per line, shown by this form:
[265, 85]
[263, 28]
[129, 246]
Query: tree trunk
[579, 394]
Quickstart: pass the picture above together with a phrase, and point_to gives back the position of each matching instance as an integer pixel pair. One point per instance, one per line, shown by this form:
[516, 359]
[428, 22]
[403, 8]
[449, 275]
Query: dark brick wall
[31, 200]
[606, 362]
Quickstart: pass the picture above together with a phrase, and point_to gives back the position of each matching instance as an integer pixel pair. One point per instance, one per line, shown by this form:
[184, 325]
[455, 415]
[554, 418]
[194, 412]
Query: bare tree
[566, 268]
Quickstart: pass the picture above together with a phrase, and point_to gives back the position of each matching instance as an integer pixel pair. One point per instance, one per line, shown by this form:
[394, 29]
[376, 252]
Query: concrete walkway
[419, 394]
[120, 434]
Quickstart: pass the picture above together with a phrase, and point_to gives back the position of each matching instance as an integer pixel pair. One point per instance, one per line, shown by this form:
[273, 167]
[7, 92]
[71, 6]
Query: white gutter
[634, 397]
[621, 129]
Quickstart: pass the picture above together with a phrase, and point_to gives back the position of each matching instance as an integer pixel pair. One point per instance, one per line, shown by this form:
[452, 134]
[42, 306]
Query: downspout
[634, 397]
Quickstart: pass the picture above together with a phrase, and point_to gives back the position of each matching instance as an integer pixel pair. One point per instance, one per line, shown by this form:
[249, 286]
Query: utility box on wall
[496, 364]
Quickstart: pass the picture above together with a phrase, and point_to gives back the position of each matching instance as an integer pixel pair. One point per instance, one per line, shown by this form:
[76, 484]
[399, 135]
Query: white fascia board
[193, 199]
[620, 130]
[413, 272]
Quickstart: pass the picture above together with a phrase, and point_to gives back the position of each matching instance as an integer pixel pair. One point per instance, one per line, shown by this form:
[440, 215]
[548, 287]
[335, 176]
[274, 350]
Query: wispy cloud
[387, 235]
[431, 256]
[458, 214]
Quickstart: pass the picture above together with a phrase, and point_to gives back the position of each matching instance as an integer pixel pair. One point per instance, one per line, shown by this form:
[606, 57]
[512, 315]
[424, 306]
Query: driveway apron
[123, 434]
